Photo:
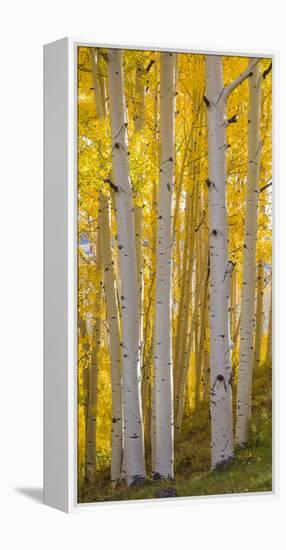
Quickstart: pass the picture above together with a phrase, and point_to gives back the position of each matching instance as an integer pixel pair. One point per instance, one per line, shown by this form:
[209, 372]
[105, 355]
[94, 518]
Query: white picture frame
[60, 274]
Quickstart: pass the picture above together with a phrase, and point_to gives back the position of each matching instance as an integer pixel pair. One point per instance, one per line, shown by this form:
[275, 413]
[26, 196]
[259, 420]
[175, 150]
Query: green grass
[250, 471]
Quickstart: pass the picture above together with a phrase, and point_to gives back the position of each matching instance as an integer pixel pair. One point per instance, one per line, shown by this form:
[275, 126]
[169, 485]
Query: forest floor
[249, 472]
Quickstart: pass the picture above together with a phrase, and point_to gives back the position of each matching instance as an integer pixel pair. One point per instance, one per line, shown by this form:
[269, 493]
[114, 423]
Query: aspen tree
[182, 345]
[139, 115]
[233, 304]
[202, 275]
[139, 123]
[206, 374]
[185, 301]
[148, 352]
[114, 339]
[268, 358]
[180, 182]
[138, 221]
[90, 454]
[184, 295]
[203, 319]
[150, 367]
[187, 329]
[98, 95]
[221, 392]
[259, 314]
[104, 222]
[182, 381]
[85, 371]
[130, 344]
[247, 324]
[94, 335]
[163, 386]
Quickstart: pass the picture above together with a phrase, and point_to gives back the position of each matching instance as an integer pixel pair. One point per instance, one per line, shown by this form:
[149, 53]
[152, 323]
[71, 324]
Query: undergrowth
[250, 470]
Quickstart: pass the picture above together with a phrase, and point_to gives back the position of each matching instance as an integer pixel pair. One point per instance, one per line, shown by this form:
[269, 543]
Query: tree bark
[91, 420]
[139, 123]
[268, 358]
[110, 294]
[130, 344]
[203, 320]
[99, 98]
[114, 340]
[259, 314]
[94, 334]
[221, 391]
[139, 116]
[184, 300]
[163, 391]
[247, 324]
[220, 267]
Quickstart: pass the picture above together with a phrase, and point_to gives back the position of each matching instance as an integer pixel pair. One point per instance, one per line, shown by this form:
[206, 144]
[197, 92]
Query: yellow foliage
[94, 168]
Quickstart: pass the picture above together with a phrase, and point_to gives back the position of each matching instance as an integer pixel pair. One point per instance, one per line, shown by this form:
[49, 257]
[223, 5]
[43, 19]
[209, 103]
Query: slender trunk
[139, 123]
[131, 396]
[244, 384]
[233, 305]
[85, 369]
[85, 373]
[110, 293]
[221, 391]
[155, 154]
[94, 334]
[201, 292]
[139, 116]
[91, 420]
[268, 358]
[183, 379]
[114, 339]
[184, 296]
[220, 267]
[206, 376]
[99, 99]
[146, 384]
[187, 326]
[163, 394]
[203, 319]
[259, 314]
[148, 358]
[138, 220]
[185, 302]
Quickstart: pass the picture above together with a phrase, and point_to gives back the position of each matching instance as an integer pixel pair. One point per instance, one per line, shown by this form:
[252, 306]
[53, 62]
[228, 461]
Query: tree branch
[150, 65]
[237, 81]
[267, 71]
[265, 186]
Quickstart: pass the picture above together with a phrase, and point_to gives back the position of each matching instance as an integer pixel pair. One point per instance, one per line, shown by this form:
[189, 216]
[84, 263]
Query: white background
[25, 26]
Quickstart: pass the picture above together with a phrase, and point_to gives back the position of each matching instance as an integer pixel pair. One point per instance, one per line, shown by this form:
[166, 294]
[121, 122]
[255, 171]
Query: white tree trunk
[110, 294]
[268, 357]
[114, 339]
[93, 332]
[163, 390]
[91, 422]
[259, 317]
[99, 99]
[220, 267]
[138, 220]
[139, 123]
[139, 117]
[131, 397]
[221, 391]
[82, 325]
[244, 385]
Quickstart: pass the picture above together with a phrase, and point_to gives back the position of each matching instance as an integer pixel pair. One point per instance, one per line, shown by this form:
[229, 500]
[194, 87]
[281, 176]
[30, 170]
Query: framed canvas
[158, 189]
